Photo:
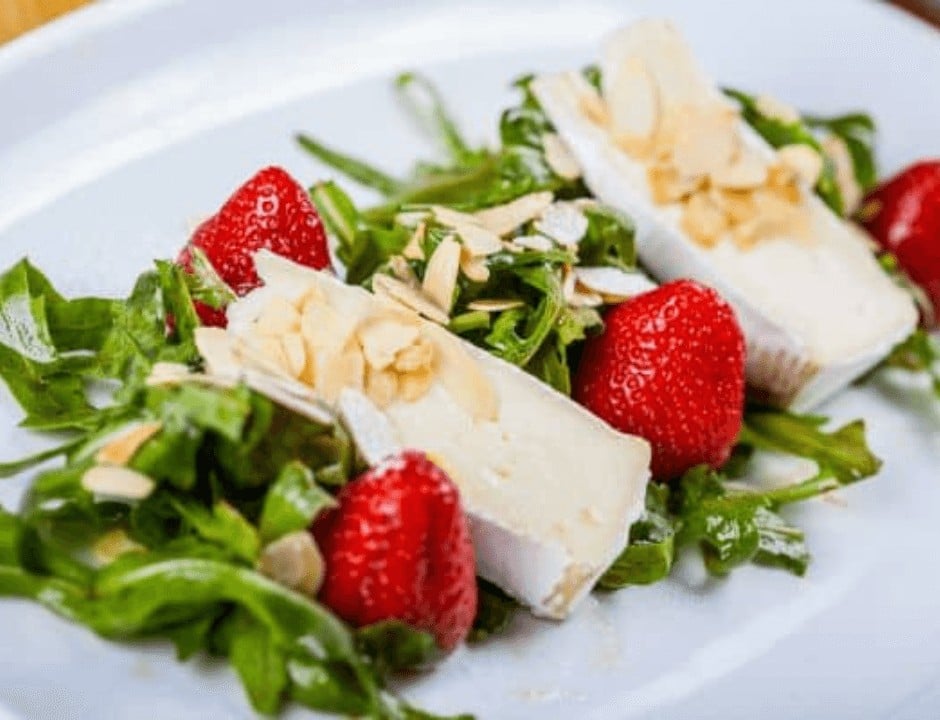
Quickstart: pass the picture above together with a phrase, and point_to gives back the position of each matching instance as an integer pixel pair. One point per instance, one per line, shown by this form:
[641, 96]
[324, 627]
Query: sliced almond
[403, 271]
[451, 218]
[295, 353]
[739, 206]
[381, 386]
[411, 218]
[462, 377]
[413, 386]
[413, 249]
[494, 305]
[667, 185]
[803, 160]
[613, 284]
[503, 219]
[474, 268]
[397, 291]
[632, 99]
[539, 243]
[706, 142]
[339, 370]
[217, 349]
[418, 356]
[295, 562]
[559, 158]
[166, 373]
[563, 223]
[112, 544]
[117, 482]
[704, 221]
[122, 447]
[278, 317]
[440, 275]
[383, 338]
[593, 105]
[837, 151]
[478, 241]
[783, 181]
[771, 107]
[747, 171]
[575, 296]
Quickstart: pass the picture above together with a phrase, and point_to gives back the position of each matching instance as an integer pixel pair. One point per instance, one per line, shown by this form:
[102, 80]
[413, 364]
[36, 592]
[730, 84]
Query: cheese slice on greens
[712, 201]
[550, 490]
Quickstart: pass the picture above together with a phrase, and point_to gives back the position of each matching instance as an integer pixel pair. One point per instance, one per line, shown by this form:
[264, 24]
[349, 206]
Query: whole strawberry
[669, 367]
[398, 547]
[903, 215]
[269, 211]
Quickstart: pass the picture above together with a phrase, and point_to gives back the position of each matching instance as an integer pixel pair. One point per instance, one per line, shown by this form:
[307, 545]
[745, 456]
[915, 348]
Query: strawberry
[669, 367]
[270, 211]
[903, 215]
[398, 547]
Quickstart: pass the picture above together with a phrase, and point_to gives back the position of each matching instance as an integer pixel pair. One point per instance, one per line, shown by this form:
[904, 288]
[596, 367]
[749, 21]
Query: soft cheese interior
[550, 489]
[815, 307]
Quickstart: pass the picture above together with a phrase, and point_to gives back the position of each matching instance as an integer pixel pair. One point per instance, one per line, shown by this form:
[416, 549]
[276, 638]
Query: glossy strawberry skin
[269, 211]
[398, 547]
[669, 367]
[903, 215]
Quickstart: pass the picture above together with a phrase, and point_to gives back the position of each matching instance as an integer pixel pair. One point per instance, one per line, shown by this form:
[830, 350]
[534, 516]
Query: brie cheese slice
[817, 311]
[550, 490]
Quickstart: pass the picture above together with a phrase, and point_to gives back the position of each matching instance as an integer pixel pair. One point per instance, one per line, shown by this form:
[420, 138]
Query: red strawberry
[270, 211]
[398, 547]
[903, 215]
[669, 367]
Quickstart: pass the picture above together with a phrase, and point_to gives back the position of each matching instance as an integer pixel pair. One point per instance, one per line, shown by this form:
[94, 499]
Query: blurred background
[18, 16]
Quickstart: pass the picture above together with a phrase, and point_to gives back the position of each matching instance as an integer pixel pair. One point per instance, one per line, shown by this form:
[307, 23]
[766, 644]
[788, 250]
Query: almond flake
[771, 107]
[593, 105]
[576, 297]
[803, 160]
[478, 241]
[381, 386]
[413, 250]
[668, 186]
[494, 305]
[396, 290]
[837, 151]
[277, 317]
[413, 386]
[295, 353]
[707, 141]
[166, 373]
[452, 218]
[440, 275]
[632, 99]
[411, 218]
[115, 481]
[559, 157]
[461, 375]
[474, 268]
[341, 370]
[120, 449]
[613, 284]
[418, 356]
[739, 206]
[382, 339]
[704, 221]
[563, 223]
[746, 172]
[783, 182]
[403, 271]
[503, 219]
[112, 544]
[217, 349]
[295, 562]
[539, 243]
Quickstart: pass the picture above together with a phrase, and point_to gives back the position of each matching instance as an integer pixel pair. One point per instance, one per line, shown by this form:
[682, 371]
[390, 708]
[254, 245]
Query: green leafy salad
[175, 494]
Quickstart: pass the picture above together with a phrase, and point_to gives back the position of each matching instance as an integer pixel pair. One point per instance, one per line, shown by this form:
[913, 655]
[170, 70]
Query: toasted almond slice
[478, 241]
[503, 219]
[452, 218]
[381, 386]
[772, 107]
[417, 356]
[383, 338]
[295, 353]
[593, 105]
[739, 206]
[613, 284]
[440, 275]
[837, 151]
[747, 171]
[474, 268]
[217, 349]
[563, 223]
[402, 270]
[112, 544]
[411, 218]
[494, 305]
[803, 160]
[396, 290]
[413, 249]
[668, 186]
[263, 352]
[462, 377]
[578, 297]
[632, 99]
[118, 482]
[121, 448]
[539, 243]
[277, 317]
[783, 181]
[704, 221]
[295, 562]
[339, 370]
[412, 386]
[706, 142]
[559, 157]
[166, 373]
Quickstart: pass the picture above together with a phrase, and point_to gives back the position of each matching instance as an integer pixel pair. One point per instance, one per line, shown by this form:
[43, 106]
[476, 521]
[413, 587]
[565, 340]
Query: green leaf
[353, 168]
[330, 687]
[205, 284]
[10, 533]
[261, 665]
[843, 454]
[192, 636]
[517, 334]
[495, 611]
[222, 525]
[857, 130]
[609, 239]
[780, 544]
[393, 646]
[15, 467]
[919, 353]
[650, 552]
[292, 503]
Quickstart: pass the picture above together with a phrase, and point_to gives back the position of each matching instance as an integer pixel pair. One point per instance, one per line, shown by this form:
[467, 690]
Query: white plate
[122, 125]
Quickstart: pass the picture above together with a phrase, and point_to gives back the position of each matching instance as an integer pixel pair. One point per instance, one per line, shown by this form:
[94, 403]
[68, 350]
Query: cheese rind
[816, 314]
[550, 489]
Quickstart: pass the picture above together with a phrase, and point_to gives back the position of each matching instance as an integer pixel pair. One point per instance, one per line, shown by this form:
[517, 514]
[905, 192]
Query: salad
[331, 443]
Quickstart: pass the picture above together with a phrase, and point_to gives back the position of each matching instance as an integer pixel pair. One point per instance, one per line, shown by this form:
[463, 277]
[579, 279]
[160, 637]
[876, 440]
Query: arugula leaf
[857, 130]
[392, 646]
[15, 467]
[919, 353]
[843, 454]
[353, 168]
[205, 284]
[779, 544]
[650, 552]
[495, 611]
[222, 525]
[261, 665]
[192, 636]
[292, 503]
[609, 239]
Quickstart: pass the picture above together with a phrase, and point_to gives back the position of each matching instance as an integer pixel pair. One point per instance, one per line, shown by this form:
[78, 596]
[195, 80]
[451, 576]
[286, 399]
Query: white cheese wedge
[817, 312]
[550, 490]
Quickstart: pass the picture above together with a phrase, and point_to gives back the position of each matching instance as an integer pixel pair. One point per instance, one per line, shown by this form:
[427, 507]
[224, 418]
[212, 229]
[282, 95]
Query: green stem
[351, 167]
